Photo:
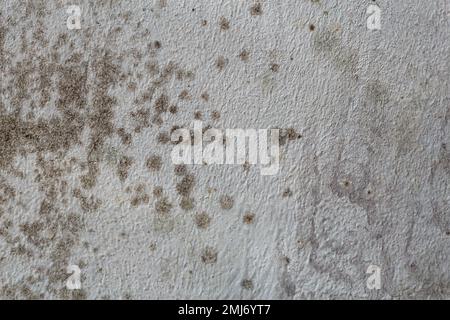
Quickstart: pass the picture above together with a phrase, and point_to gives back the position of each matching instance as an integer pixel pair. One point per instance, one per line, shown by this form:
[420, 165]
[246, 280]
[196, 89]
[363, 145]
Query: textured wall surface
[86, 176]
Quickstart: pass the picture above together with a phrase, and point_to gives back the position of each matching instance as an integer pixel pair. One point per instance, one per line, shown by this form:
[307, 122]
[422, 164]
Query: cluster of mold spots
[85, 108]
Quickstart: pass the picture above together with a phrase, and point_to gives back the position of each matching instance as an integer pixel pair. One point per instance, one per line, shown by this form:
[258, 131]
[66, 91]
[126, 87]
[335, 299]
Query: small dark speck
[312, 27]
[287, 193]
